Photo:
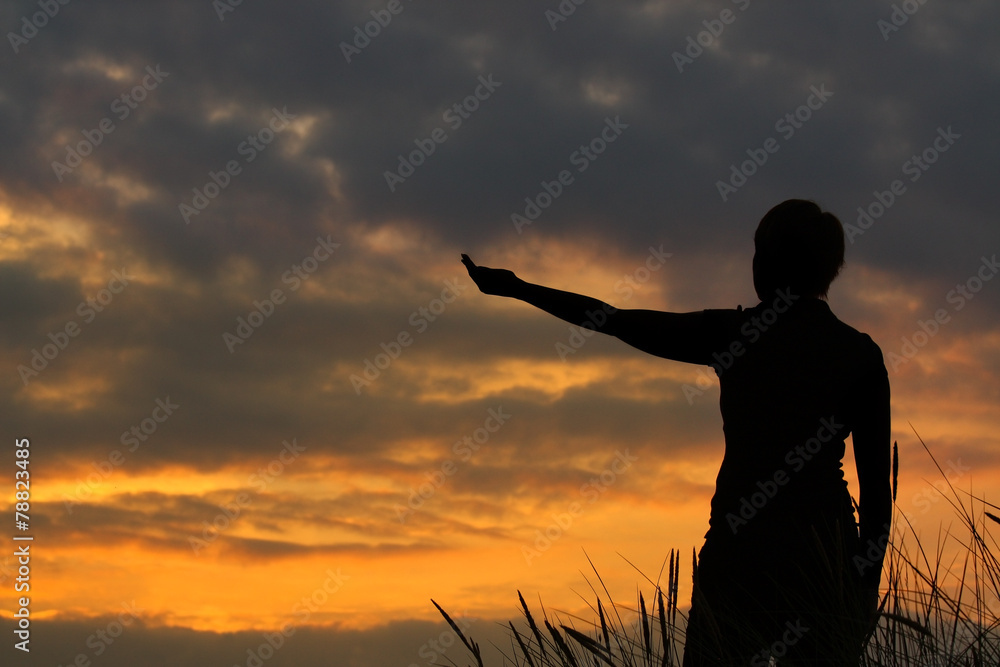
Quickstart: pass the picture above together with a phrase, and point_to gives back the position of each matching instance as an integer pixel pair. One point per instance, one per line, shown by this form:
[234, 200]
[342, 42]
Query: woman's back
[799, 381]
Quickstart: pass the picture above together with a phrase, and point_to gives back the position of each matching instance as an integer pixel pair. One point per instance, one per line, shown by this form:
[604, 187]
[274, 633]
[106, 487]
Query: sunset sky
[260, 389]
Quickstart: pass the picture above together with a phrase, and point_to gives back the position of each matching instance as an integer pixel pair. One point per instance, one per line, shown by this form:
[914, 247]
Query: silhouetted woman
[785, 570]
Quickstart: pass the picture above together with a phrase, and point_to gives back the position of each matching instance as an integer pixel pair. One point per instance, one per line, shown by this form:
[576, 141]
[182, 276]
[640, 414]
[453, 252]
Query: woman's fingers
[474, 271]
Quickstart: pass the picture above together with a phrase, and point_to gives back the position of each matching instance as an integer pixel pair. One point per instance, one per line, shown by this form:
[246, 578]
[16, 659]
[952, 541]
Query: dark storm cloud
[685, 129]
[156, 344]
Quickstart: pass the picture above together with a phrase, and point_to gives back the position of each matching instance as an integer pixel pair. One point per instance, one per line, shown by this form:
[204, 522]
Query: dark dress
[779, 572]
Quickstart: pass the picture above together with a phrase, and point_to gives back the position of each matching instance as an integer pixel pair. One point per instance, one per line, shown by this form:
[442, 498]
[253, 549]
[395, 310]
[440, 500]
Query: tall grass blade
[895, 469]
[562, 646]
[645, 630]
[665, 659]
[677, 578]
[586, 642]
[531, 624]
[473, 646]
[520, 643]
[604, 626]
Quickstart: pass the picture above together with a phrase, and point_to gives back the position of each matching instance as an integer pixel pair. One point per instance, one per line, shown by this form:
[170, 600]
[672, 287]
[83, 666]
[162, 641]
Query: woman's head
[798, 247]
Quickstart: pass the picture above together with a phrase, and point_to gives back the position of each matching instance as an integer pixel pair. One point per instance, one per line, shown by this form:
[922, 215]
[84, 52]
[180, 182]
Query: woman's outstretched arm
[670, 335]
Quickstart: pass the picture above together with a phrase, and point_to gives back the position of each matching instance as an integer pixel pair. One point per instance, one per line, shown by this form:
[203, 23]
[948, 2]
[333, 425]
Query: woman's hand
[499, 282]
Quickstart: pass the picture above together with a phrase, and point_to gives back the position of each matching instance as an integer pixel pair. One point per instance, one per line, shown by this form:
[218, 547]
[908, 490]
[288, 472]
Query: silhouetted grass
[931, 612]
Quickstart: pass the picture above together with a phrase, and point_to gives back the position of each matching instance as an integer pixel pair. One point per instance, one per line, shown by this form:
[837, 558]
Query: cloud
[361, 337]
